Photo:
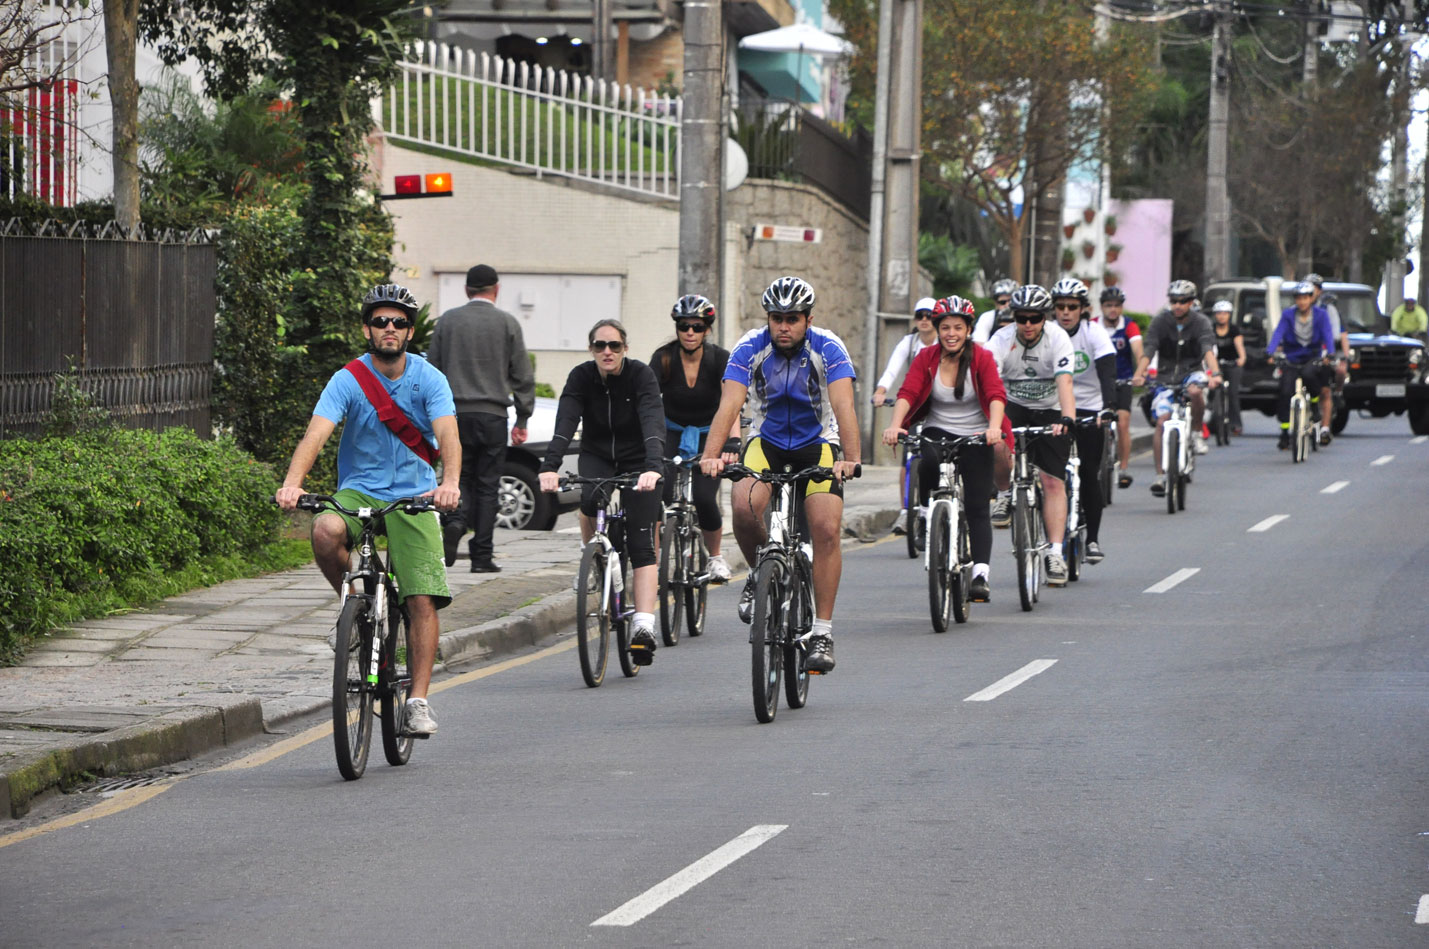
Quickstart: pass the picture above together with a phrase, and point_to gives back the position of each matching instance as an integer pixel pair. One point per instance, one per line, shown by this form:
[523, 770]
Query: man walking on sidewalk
[482, 352]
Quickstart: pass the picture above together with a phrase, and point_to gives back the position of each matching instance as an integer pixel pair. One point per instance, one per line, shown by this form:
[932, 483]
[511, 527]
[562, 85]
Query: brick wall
[656, 61]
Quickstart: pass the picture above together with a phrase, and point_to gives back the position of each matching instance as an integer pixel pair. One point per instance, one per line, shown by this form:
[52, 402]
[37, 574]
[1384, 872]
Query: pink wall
[1144, 267]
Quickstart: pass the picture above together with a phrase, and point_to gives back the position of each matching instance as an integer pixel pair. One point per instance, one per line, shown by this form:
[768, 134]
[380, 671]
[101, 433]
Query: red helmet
[954, 306]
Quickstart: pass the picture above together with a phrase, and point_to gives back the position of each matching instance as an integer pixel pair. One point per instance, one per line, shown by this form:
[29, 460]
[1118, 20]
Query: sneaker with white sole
[900, 526]
[718, 569]
[820, 658]
[1199, 441]
[1158, 487]
[1056, 571]
[420, 722]
[1002, 511]
[642, 646]
[1094, 552]
[746, 601]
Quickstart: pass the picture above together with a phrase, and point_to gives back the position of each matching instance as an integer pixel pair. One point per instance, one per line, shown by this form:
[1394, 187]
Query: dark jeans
[975, 466]
[1090, 444]
[483, 453]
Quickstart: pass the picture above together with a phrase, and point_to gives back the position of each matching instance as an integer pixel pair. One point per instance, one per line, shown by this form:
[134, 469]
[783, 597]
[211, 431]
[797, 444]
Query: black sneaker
[820, 660]
[451, 538]
[484, 565]
[1094, 552]
[746, 601]
[1158, 487]
[1324, 437]
[1284, 442]
[642, 647]
[1123, 480]
[979, 591]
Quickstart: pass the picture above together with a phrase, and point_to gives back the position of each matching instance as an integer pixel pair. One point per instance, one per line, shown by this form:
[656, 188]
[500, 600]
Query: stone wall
[656, 61]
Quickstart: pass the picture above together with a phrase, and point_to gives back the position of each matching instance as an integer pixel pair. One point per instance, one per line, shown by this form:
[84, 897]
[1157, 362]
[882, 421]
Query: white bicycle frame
[614, 580]
[953, 501]
[1180, 421]
[1074, 489]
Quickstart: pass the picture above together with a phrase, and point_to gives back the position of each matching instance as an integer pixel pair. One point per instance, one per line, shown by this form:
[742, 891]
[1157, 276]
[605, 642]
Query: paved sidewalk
[220, 665]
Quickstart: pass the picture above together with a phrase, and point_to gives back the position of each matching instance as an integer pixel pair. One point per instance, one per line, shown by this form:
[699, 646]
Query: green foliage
[1142, 320]
[542, 388]
[954, 268]
[91, 522]
[73, 408]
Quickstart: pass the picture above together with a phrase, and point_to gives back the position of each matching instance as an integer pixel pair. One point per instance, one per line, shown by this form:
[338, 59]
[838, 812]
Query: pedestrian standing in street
[1409, 319]
[482, 352]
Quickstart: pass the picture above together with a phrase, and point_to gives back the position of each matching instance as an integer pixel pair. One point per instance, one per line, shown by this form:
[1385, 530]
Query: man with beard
[800, 382]
[375, 467]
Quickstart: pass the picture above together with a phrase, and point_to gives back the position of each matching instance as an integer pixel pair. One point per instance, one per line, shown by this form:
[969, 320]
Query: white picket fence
[548, 120]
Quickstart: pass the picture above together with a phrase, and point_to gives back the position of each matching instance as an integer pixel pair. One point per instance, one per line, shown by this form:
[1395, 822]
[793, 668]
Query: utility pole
[702, 152]
[1310, 67]
[893, 208]
[1217, 262]
[602, 65]
[1394, 270]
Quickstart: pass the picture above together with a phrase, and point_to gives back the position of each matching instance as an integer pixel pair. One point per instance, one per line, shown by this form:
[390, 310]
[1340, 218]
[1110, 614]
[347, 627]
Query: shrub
[90, 521]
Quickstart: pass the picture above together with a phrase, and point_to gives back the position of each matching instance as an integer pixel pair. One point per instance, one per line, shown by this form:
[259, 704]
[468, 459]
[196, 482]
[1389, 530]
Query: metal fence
[551, 121]
[785, 141]
[133, 317]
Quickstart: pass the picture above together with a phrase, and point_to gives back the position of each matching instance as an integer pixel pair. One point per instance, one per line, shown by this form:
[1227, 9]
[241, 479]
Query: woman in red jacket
[956, 389]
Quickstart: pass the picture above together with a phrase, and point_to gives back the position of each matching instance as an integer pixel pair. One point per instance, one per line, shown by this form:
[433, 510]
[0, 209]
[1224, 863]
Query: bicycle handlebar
[956, 442]
[317, 503]
[815, 473]
[627, 480]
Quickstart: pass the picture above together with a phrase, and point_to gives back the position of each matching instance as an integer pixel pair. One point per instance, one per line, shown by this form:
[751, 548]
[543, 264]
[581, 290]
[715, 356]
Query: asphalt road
[1235, 761]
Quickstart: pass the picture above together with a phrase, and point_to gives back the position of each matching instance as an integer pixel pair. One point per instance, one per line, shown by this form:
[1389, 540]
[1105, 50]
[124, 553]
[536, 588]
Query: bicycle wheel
[914, 535]
[698, 565]
[1107, 472]
[1183, 483]
[940, 564]
[672, 563]
[621, 623]
[352, 695]
[1223, 422]
[592, 622]
[1075, 550]
[394, 679]
[1173, 468]
[961, 575]
[766, 650]
[796, 668]
[1297, 430]
[1023, 549]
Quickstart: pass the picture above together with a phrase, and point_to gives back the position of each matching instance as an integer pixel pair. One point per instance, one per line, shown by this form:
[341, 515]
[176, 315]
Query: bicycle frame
[1179, 421]
[682, 511]
[949, 494]
[613, 583]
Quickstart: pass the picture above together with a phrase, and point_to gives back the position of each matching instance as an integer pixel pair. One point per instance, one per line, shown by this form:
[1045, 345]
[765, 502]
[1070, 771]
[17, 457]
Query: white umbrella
[799, 38]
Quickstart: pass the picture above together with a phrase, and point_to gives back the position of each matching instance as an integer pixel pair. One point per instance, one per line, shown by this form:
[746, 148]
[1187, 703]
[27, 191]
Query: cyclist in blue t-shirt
[800, 382]
[375, 467]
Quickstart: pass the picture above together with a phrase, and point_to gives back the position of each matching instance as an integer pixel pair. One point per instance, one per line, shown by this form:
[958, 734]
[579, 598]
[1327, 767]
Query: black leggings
[1090, 442]
[704, 489]
[975, 466]
[642, 509]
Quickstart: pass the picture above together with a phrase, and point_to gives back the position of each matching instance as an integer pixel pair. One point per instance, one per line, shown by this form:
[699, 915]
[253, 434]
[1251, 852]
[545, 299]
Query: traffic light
[438, 185]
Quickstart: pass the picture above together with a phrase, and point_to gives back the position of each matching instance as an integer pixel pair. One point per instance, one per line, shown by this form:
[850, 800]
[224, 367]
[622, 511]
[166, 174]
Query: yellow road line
[121, 801]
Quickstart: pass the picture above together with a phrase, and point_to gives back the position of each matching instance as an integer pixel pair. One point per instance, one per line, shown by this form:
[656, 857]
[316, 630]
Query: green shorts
[414, 547]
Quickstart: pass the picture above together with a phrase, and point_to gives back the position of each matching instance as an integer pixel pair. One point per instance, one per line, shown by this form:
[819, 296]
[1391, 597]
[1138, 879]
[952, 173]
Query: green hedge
[96, 521]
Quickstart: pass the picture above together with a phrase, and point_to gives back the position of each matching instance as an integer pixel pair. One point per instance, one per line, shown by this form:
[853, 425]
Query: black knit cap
[480, 277]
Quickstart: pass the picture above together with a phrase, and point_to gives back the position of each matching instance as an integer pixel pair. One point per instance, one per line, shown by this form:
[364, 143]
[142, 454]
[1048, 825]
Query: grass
[516, 127]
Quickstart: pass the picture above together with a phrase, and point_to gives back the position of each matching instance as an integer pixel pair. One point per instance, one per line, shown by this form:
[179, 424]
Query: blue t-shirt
[789, 395]
[370, 458]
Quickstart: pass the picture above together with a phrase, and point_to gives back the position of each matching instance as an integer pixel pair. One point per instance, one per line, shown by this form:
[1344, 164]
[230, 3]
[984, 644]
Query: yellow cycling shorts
[761, 456]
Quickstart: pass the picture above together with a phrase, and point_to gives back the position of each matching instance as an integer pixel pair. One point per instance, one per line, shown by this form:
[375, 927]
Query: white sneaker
[419, 718]
[718, 569]
[1056, 570]
[1002, 511]
[900, 526]
[1200, 442]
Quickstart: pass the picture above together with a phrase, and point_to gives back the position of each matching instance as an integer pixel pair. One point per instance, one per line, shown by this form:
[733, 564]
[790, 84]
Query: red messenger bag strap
[390, 415]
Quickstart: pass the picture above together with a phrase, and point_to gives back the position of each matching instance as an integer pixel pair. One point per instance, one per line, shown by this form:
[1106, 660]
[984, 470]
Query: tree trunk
[121, 22]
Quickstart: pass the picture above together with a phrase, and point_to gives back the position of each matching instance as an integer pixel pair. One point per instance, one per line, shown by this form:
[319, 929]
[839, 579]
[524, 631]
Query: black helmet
[789, 295]
[693, 305]
[1113, 295]
[389, 294]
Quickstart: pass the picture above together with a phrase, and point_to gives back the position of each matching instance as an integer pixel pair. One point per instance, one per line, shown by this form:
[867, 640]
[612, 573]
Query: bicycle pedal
[641, 656]
[817, 672]
[410, 735]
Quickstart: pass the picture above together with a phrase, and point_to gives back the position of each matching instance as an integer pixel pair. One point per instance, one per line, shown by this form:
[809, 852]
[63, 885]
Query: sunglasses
[600, 345]
[1003, 301]
[691, 327]
[382, 322]
[1067, 306]
[1028, 317]
[923, 315]
[1183, 299]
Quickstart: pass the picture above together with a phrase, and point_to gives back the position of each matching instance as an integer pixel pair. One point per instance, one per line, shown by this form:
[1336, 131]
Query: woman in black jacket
[618, 400]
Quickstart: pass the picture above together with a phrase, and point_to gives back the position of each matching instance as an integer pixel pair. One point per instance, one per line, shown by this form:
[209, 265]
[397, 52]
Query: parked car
[522, 505]
[1387, 373]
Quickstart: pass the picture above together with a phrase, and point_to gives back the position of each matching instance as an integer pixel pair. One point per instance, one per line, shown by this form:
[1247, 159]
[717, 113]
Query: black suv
[1387, 373]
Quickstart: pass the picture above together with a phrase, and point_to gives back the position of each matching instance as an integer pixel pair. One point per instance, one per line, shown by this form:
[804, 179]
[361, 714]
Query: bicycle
[684, 559]
[948, 558]
[371, 645]
[1220, 407]
[783, 593]
[1029, 533]
[1304, 433]
[914, 530]
[604, 576]
[1178, 456]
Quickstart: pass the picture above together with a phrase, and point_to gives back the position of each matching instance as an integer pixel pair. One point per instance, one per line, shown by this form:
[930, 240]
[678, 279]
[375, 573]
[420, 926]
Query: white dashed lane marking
[1267, 524]
[1419, 439]
[1421, 916]
[1382, 460]
[1008, 683]
[1335, 488]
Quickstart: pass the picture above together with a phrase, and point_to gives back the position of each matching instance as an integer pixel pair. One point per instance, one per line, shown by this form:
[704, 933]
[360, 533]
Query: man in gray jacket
[481, 351]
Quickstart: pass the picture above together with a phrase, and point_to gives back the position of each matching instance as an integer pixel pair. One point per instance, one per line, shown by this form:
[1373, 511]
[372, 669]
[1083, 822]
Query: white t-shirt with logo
[1089, 344]
[1030, 375]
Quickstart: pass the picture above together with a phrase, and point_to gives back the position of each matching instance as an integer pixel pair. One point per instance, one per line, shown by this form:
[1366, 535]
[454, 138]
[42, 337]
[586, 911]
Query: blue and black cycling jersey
[789, 393]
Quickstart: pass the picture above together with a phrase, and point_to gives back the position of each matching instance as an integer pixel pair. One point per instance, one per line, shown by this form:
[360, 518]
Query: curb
[172, 736]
